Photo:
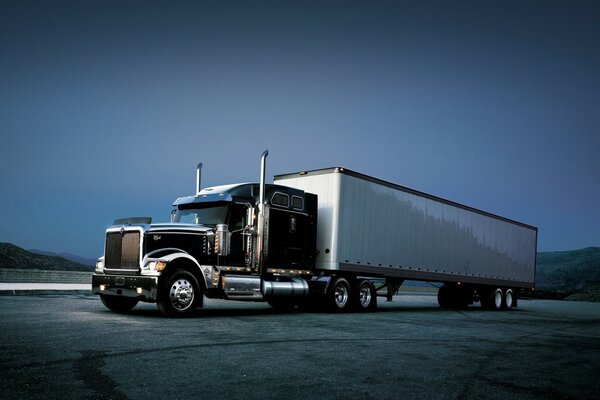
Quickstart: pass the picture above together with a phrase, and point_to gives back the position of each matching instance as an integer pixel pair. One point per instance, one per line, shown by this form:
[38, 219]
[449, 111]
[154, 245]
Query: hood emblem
[122, 231]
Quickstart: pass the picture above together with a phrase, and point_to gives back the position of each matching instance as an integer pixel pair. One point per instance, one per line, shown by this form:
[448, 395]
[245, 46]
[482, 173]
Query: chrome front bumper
[143, 288]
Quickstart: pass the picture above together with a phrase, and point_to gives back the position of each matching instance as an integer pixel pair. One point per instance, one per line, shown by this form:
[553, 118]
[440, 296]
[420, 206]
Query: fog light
[102, 288]
[138, 290]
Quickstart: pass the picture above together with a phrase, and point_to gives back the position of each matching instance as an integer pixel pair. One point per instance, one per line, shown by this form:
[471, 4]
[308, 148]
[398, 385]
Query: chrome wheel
[341, 293]
[498, 299]
[181, 294]
[365, 297]
[508, 299]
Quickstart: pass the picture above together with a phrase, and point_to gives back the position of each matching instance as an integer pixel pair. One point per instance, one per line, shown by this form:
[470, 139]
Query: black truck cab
[290, 238]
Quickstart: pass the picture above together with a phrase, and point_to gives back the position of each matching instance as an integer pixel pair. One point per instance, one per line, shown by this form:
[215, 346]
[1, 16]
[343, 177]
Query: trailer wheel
[365, 296]
[492, 299]
[515, 301]
[498, 298]
[508, 302]
[444, 297]
[118, 303]
[339, 295]
[179, 294]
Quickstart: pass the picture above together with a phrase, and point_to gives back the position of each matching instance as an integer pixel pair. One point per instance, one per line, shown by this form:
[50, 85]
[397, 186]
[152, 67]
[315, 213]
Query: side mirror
[222, 240]
[173, 215]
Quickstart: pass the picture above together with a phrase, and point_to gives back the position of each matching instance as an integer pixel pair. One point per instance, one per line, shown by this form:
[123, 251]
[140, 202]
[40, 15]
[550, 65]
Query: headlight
[156, 265]
[100, 265]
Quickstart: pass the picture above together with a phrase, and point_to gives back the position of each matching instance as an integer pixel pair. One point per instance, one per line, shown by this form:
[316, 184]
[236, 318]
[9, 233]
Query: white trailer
[372, 227]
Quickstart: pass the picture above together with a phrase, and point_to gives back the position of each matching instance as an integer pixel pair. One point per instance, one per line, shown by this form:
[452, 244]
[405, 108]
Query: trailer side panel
[370, 226]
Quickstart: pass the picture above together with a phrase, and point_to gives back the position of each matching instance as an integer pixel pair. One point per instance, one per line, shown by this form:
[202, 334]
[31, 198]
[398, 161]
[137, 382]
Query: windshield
[205, 214]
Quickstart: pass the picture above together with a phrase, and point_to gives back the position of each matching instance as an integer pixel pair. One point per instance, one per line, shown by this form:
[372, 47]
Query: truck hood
[170, 227]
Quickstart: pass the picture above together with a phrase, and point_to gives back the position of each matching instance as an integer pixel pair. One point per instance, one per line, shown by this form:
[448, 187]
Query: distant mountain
[14, 257]
[67, 256]
[569, 271]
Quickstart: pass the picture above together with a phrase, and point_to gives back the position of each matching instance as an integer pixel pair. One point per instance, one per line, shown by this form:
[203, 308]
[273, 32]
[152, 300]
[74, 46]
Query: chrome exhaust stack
[260, 226]
[198, 177]
[263, 165]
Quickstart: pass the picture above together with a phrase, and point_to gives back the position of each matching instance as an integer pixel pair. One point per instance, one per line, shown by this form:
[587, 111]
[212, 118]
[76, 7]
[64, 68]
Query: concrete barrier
[44, 276]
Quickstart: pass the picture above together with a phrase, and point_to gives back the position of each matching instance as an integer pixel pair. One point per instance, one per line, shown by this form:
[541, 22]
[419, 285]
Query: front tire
[179, 294]
[119, 304]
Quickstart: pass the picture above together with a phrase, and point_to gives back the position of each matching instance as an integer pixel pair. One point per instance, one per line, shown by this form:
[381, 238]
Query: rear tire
[509, 298]
[339, 295]
[498, 298]
[119, 304]
[492, 298]
[179, 294]
[444, 296]
[365, 296]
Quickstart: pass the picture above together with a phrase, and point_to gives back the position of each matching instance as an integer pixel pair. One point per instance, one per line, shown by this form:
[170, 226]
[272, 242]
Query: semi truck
[329, 238]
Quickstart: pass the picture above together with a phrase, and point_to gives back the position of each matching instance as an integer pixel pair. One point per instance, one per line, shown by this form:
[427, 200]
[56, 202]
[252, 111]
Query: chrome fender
[205, 271]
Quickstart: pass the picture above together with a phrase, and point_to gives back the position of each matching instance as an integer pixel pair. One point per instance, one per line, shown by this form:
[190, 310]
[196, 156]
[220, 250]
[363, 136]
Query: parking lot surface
[70, 346]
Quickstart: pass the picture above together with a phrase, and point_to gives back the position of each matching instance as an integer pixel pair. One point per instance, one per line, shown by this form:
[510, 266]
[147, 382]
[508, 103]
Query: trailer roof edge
[358, 175]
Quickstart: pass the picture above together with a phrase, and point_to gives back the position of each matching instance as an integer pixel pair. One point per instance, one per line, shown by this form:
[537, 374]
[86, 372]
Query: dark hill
[66, 256]
[13, 257]
[569, 271]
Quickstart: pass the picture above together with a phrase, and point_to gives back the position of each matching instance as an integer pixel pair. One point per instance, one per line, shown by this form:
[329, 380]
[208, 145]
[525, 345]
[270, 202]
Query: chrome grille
[122, 250]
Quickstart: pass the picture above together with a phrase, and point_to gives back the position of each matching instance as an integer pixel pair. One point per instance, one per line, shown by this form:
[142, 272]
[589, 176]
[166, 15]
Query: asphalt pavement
[69, 347]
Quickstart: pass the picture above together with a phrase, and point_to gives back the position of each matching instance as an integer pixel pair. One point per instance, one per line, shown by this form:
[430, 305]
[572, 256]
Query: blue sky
[106, 107]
